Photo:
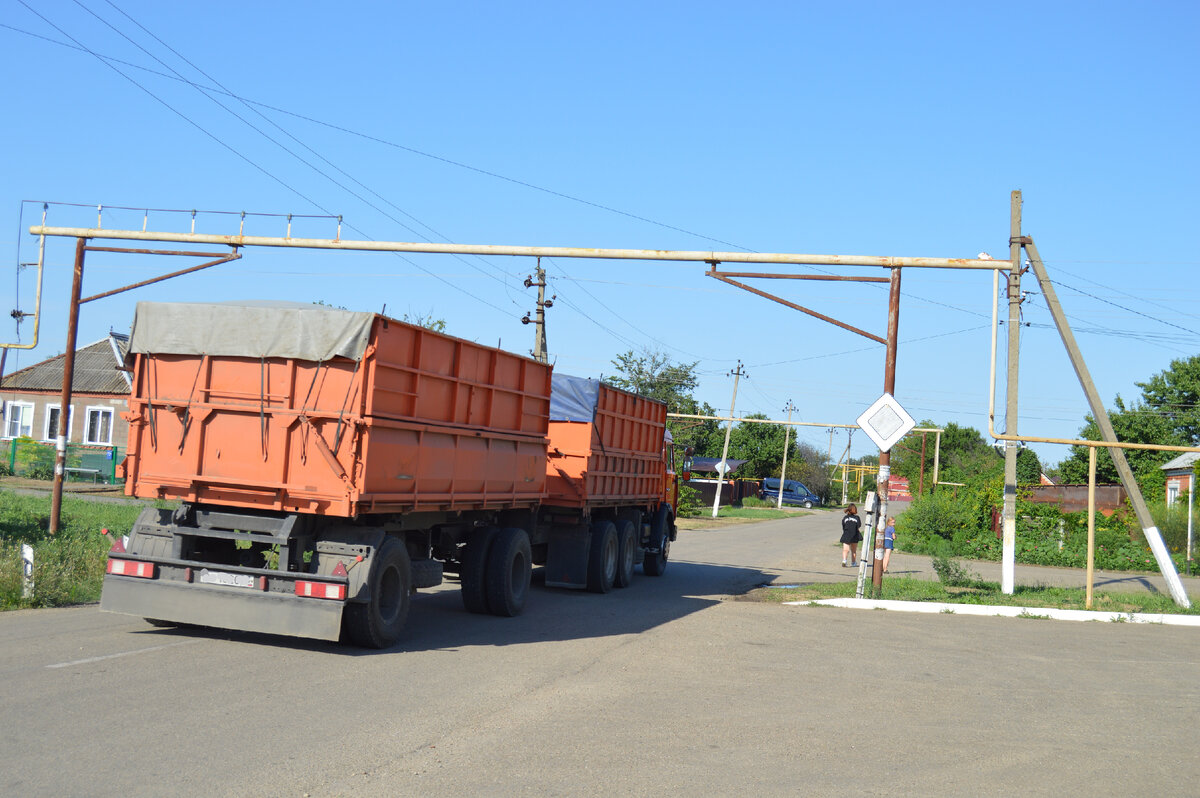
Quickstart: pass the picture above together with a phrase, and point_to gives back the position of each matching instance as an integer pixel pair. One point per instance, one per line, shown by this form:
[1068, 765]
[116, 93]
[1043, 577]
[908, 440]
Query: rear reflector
[131, 568]
[324, 590]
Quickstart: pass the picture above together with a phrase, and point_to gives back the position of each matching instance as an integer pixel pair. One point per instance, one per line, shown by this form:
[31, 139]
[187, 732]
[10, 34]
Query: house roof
[96, 370]
[1184, 460]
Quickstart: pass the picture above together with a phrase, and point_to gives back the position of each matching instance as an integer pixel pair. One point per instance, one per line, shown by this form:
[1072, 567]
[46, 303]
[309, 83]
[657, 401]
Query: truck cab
[794, 493]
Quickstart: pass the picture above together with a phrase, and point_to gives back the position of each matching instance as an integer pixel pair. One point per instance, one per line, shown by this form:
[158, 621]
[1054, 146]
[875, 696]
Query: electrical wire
[277, 143]
[243, 157]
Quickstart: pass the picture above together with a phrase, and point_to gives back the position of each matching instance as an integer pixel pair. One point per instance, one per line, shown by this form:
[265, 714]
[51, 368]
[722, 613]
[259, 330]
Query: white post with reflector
[26, 570]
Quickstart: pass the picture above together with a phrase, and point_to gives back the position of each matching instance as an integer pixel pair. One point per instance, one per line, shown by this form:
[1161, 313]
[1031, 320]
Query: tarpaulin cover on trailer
[250, 329]
[573, 398]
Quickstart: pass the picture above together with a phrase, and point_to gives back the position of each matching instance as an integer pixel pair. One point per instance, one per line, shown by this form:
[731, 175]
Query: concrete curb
[1011, 612]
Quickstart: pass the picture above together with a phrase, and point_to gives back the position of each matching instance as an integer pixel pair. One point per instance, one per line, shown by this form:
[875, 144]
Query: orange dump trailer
[328, 463]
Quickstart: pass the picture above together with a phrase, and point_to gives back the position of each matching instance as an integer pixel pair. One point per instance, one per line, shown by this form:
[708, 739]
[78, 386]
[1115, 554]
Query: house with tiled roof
[1179, 475]
[32, 397]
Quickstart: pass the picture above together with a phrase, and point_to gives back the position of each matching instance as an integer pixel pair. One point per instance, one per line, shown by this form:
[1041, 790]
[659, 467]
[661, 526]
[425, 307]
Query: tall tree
[1175, 395]
[1136, 424]
[654, 374]
[965, 456]
[760, 445]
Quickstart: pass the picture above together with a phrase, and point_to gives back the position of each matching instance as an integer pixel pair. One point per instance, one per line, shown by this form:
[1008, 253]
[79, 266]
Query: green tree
[760, 445]
[1029, 467]
[655, 375]
[809, 465]
[1175, 395]
[965, 457]
[1137, 424]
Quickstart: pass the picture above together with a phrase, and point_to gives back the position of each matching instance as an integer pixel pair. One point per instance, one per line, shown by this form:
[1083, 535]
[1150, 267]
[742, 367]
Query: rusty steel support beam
[221, 259]
[885, 458]
[800, 308]
[826, 277]
[64, 407]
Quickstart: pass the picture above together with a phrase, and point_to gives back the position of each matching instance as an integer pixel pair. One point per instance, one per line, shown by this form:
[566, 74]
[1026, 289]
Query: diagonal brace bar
[235, 255]
[794, 306]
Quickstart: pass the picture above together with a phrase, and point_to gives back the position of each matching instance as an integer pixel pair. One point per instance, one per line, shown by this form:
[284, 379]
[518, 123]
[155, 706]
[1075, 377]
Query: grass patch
[68, 567]
[979, 592]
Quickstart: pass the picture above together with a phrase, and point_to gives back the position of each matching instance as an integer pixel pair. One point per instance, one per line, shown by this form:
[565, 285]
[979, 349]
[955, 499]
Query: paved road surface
[673, 686]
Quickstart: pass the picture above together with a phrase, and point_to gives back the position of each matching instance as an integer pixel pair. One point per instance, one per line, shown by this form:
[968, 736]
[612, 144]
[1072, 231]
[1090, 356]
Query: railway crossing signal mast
[1011, 267]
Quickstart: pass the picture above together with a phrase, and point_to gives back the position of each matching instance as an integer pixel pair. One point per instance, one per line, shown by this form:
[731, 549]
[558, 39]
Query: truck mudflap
[263, 601]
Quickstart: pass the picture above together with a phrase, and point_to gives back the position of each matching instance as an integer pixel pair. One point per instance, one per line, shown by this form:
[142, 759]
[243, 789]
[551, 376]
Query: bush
[952, 573]
[689, 502]
[940, 515]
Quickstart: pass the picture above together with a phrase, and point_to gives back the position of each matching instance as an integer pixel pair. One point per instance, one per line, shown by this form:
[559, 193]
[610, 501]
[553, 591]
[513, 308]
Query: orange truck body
[614, 459]
[421, 421]
[327, 464]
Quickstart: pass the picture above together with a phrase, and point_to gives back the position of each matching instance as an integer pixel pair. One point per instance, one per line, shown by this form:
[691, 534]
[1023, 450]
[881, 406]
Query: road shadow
[437, 620]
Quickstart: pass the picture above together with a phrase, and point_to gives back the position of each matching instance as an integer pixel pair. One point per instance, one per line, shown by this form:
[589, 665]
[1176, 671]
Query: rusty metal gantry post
[64, 413]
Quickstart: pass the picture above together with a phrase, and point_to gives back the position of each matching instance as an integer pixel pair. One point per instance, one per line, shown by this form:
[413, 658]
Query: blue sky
[855, 128]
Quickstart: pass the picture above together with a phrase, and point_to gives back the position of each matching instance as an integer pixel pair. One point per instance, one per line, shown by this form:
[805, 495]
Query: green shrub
[952, 573]
[938, 514]
[689, 502]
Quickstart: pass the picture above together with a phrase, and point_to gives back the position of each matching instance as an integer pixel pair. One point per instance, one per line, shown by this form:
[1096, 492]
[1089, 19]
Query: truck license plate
[222, 578]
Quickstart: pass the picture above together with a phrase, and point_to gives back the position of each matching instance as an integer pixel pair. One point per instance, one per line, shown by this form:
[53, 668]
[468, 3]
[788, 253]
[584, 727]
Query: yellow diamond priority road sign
[886, 422]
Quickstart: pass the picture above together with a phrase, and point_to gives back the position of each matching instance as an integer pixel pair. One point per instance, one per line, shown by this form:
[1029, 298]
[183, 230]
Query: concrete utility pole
[724, 466]
[1008, 554]
[1100, 414]
[540, 351]
[787, 431]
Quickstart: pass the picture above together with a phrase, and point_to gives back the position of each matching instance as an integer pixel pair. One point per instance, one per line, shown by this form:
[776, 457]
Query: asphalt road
[673, 686]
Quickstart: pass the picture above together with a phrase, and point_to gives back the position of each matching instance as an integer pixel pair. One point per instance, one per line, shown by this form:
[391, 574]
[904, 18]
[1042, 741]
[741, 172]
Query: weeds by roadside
[69, 566]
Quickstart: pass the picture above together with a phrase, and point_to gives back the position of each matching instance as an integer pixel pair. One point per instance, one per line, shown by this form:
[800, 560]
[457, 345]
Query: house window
[99, 426]
[18, 420]
[53, 419]
[1172, 493]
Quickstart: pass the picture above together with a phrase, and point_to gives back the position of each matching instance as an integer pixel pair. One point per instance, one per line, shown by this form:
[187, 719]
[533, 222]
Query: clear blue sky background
[853, 128]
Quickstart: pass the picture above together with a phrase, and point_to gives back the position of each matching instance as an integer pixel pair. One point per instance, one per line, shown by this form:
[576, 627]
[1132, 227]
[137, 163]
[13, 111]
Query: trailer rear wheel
[473, 575]
[602, 557]
[626, 546]
[508, 568]
[655, 562]
[377, 622]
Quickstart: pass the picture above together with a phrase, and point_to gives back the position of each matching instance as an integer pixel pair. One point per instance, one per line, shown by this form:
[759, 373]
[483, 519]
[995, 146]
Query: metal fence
[85, 463]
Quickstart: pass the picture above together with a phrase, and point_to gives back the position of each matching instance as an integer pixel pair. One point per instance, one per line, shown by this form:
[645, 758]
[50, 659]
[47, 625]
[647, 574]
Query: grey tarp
[573, 398]
[250, 329]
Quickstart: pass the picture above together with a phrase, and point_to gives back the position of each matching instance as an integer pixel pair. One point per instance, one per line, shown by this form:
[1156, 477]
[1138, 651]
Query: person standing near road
[851, 535]
[889, 541]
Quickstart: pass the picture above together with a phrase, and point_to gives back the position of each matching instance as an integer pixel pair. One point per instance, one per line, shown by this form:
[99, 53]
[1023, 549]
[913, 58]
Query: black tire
[509, 565]
[602, 557]
[377, 623]
[655, 562]
[473, 576]
[808, 505]
[626, 549]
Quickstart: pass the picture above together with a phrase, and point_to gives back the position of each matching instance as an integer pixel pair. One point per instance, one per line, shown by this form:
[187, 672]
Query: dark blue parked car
[794, 492]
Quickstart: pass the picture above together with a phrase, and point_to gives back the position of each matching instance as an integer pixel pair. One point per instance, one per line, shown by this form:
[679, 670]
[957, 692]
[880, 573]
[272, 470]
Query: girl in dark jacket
[851, 535]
